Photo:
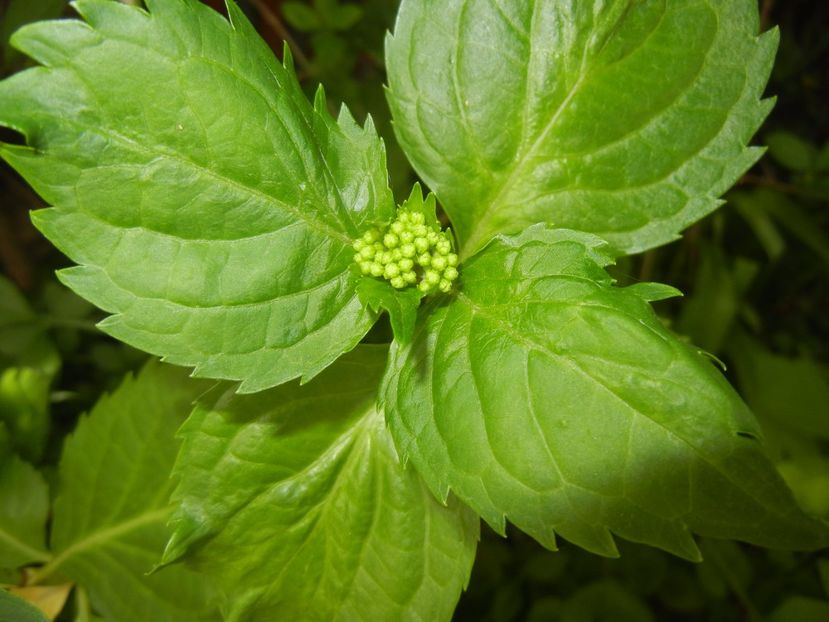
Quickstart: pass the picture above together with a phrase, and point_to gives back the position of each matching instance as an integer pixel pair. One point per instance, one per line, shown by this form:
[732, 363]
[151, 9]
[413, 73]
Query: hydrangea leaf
[545, 395]
[625, 119]
[24, 505]
[210, 207]
[109, 524]
[295, 500]
[401, 305]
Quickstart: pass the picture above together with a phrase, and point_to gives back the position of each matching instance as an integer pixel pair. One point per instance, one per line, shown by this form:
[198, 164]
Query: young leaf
[544, 395]
[296, 500]
[624, 119]
[109, 519]
[210, 208]
[24, 504]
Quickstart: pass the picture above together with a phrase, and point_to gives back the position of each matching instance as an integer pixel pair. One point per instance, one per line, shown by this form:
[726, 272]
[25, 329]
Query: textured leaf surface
[24, 504]
[545, 395]
[296, 500]
[210, 208]
[109, 521]
[626, 119]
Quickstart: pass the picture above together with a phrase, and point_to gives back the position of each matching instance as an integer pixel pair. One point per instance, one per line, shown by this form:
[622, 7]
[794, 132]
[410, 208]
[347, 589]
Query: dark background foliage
[755, 274]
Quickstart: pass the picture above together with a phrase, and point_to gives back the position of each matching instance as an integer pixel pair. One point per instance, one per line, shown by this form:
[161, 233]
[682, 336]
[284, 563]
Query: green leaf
[625, 119]
[796, 219]
[605, 601]
[14, 609]
[347, 15]
[401, 304]
[24, 409]
[23, 341]
[210, 208]
[802, 609]
[543, 395]
[24, 505]
[792, 151]
[709, 313]
[791, 391]
[109, 520]
[301, 16]
[296, 500]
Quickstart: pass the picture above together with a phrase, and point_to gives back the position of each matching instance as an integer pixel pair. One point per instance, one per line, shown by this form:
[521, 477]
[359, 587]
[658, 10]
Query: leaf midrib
[136, 147]
[36, 555]
[473, 241]
[101, 538]
[529, 343]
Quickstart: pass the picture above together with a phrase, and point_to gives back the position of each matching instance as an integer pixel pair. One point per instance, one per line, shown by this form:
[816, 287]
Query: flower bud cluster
[407, 253]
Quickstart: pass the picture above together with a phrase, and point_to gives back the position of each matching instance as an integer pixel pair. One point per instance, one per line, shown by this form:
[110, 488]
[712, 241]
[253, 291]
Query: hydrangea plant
[228, 225]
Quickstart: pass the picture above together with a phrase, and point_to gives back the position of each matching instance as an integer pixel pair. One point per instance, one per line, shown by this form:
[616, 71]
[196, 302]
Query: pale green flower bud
[408, 252]
[391, 271]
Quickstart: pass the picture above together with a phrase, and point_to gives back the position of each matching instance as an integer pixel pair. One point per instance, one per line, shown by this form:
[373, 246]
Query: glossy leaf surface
[210, 207]
[621, 118]
[295, 500]
[544, 395]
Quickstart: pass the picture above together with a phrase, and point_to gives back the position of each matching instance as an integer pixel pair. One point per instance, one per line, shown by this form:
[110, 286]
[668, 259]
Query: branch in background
[766, 8]
[14, 259]
[273, 21]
